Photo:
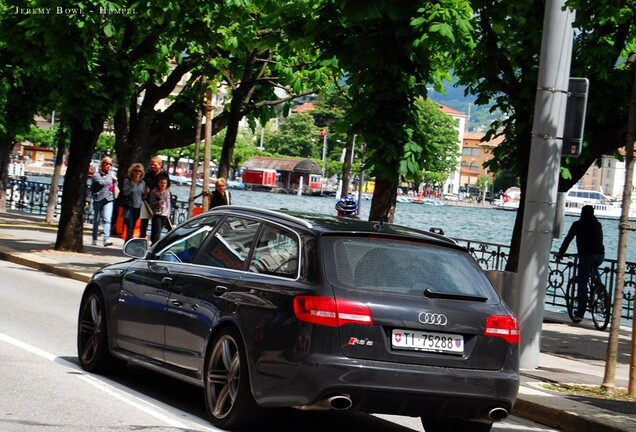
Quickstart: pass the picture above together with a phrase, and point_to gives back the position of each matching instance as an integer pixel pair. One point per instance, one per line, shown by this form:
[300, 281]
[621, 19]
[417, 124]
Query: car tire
[454, 425]
[92, 335]
[228, 395]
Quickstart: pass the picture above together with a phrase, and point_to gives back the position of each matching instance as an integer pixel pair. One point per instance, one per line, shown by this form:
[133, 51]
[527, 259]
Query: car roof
[321, 224]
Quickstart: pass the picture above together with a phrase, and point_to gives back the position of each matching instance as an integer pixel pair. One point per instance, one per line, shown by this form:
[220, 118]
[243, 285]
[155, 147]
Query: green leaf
[109, 31]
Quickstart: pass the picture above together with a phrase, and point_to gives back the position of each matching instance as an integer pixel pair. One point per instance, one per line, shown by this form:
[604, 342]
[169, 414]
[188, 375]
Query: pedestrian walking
[591, 251]
[220, 196]
[103, 185]
[133, 192]
[159, 202]
[154, 172]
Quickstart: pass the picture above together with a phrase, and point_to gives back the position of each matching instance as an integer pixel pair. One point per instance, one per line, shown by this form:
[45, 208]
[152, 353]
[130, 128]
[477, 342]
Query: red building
[291, 173]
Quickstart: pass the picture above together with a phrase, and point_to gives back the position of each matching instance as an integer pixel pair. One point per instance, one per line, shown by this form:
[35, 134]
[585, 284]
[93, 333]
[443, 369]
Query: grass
[598, 392]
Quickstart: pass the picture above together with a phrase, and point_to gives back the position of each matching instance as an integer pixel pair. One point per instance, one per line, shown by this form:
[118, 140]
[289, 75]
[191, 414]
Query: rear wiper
[453, 296]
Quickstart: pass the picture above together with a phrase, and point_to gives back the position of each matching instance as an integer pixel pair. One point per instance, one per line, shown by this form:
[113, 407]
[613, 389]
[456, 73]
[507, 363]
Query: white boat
[179, 180]
[509, 200]
[434, 202]
[604, 206]
[426, 201]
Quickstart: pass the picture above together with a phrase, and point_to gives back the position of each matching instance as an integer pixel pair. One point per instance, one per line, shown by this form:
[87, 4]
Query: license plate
[427, 341]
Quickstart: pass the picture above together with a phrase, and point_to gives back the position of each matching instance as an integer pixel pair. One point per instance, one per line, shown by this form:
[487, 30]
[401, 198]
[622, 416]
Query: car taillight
[331, 312]
[503, 326]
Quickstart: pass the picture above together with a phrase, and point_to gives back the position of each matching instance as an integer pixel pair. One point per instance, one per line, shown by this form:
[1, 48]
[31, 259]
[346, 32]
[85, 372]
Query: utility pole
[207, 149]
[543, 176]
[195, 163]
[323, 134]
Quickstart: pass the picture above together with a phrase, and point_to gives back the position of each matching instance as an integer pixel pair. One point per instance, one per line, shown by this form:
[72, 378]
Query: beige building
[475, 154]
[609, 178]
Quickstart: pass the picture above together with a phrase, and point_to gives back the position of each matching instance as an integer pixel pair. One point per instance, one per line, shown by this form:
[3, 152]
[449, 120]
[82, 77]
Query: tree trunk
[609, 378]
[515, 244]
[346, 166]
[139, 147]
[383, 202]
[125, 153]
[55, 180]
[6, 144]
[71, 227]
[231, 133]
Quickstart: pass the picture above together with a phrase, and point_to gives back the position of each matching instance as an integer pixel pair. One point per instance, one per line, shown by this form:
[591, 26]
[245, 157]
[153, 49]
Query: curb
[565, 414]
[51, 267]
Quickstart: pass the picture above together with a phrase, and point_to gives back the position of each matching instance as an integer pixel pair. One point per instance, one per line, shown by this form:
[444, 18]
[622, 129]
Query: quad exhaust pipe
[497, 414]
[339, 402]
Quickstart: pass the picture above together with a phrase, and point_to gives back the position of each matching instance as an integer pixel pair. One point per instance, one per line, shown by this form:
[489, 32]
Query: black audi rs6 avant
[266, 309]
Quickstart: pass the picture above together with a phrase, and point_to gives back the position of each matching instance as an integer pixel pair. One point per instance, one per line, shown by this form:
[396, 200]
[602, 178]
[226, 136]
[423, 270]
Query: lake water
[468, 223]
[484, 224]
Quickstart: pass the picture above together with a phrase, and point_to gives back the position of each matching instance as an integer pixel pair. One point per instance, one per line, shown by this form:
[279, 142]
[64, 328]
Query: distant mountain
[479, 117]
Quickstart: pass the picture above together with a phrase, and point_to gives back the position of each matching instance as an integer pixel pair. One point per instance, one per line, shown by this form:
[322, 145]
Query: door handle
[220, 290]
[165, 281]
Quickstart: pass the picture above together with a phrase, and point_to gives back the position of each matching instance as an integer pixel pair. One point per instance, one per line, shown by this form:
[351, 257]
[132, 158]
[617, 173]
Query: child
[159, 201]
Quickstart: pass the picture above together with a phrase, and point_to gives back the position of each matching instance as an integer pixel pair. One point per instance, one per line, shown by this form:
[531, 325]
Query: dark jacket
[219, 199]
[151, 179]
[589, 235]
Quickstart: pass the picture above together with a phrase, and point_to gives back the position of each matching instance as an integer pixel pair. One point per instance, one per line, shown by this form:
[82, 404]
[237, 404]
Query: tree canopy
[440, 147]
[92, 67]
[503, 70]
[297, 136]
[390, 51]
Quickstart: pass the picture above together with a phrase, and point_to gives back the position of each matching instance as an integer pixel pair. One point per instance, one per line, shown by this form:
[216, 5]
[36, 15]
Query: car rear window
[403, 267]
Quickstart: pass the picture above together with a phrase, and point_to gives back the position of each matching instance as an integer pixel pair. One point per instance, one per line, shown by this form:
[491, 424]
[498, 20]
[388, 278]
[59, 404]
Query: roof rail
[286, 216]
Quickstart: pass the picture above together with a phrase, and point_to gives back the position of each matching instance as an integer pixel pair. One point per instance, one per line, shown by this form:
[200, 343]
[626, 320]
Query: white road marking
[102, 384]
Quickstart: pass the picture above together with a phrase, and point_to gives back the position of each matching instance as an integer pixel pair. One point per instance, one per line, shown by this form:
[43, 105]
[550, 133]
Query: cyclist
[347, 206]
[591, 251]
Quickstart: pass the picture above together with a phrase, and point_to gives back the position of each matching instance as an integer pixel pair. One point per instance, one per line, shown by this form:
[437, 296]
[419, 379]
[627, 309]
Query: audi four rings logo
[432, 318]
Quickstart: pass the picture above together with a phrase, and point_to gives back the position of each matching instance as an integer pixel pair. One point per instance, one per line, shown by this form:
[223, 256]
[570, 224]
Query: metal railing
[32, 197]
[492, 256]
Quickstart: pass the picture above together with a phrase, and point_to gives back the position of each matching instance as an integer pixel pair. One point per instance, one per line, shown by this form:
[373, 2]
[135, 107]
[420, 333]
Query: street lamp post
[323, 134]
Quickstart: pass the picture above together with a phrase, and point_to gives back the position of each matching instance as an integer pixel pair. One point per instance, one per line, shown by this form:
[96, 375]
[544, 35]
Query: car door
[197, 297]
[143, 297]
[141, 307]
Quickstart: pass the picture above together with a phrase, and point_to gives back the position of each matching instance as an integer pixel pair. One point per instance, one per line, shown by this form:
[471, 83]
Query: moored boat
[509, 200]
[604, 206]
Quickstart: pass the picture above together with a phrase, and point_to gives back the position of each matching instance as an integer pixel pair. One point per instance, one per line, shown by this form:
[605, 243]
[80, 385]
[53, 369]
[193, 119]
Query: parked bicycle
[599, 301]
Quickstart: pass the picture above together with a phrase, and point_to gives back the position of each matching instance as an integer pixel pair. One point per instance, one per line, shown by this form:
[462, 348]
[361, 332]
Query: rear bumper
[377, 387]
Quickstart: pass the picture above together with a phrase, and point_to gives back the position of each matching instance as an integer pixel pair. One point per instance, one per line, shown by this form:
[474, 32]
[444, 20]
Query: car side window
[230, 246]
[276, 253]
[186, 240]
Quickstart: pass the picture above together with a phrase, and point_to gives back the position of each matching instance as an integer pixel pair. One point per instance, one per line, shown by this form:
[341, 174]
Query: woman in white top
[134, 188]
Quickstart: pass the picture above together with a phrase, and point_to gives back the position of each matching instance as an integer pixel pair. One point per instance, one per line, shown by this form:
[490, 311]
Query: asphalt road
[44, 389]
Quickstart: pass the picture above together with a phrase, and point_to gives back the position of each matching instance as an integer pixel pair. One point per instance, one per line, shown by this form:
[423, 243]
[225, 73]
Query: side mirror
[136, 247]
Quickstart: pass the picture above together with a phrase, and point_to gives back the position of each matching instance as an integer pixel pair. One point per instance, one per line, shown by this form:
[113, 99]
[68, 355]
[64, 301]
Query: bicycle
[599, 302]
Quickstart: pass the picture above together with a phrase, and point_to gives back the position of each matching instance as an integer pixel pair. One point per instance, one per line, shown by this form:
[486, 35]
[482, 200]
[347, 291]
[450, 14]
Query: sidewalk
[570, 353]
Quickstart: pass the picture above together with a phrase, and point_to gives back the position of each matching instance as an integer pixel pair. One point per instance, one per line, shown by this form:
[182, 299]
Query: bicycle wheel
[570, 300]
[600, 307]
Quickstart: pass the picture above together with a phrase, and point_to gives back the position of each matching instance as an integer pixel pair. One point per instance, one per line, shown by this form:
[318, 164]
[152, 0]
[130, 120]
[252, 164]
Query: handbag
[145, 212]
